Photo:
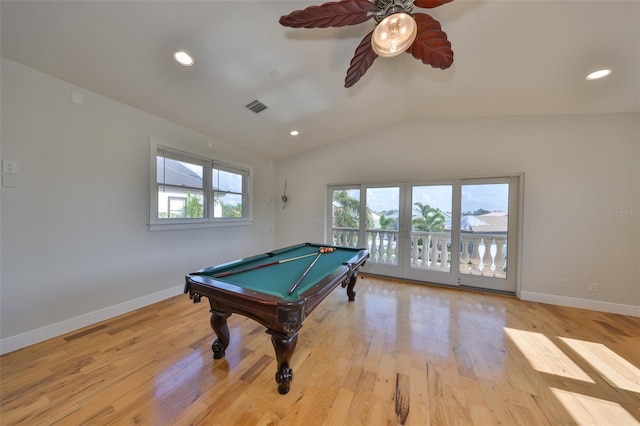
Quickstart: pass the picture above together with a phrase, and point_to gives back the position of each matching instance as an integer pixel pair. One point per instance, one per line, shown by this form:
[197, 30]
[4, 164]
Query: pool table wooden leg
[219, 326]
[352, 283]
[284, 346]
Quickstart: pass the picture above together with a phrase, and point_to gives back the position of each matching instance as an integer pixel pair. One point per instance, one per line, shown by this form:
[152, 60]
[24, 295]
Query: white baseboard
[594, 305]
[13, 343]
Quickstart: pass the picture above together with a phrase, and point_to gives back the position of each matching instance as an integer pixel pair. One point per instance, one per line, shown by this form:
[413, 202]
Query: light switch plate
[9, 166]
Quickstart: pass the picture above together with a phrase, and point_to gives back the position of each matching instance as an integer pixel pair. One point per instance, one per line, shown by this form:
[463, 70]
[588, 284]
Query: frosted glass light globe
[394, 34]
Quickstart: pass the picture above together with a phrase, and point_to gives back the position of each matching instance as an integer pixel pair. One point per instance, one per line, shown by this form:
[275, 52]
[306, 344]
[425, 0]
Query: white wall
[74, 238]
[579, 171]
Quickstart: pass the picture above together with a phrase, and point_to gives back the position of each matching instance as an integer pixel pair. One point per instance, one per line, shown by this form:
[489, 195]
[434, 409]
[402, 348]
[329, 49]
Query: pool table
[260, 287]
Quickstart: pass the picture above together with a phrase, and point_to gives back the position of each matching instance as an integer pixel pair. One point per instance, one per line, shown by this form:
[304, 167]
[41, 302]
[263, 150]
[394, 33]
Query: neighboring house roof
[495, 214]
[490, 223]
[468, 222]
[173, 172]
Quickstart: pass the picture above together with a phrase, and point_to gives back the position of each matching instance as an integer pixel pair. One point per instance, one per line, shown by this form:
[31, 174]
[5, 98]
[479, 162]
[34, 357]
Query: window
[192, 190]
[228, 194]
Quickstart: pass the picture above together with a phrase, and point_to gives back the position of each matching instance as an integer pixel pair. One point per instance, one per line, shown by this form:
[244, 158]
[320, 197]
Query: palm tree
[387, 222]
[231, 210]
[429, 219]
[193, 206]
[346, 211]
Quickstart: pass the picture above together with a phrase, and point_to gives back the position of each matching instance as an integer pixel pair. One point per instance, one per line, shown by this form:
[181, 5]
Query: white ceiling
[511, 58]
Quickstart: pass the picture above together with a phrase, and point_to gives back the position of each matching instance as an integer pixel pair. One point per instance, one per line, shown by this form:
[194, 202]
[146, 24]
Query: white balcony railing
[479, 254]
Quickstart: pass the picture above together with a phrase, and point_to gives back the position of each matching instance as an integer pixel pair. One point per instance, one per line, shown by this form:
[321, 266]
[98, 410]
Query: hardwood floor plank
[362, 400]
[402, 397]
[339, 407]
[419, 416]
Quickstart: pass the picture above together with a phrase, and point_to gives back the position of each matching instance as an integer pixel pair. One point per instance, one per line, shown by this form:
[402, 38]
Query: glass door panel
[430, 255]
[382, 229]
[345, 217]
[485, 224]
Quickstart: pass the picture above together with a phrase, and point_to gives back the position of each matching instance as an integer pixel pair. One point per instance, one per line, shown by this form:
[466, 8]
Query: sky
[491, 197]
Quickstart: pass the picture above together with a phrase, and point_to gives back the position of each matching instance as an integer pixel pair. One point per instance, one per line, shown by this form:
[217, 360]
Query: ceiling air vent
[256, 106]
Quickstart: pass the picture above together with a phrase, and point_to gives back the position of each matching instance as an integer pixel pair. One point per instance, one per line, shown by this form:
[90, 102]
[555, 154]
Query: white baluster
[380, 237]
[389, 248]
[492, 256]
[444, 257]
[464, 255]
[374, 247]
[433, 260]
[414, 250]
[500, 257]
[475, 255]
[386, 239]
[393, 252]
[481, 253]
[485, 256]
[425, 252]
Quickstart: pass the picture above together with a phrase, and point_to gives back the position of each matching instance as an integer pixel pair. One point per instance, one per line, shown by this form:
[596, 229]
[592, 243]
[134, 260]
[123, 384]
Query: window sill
[194, 225]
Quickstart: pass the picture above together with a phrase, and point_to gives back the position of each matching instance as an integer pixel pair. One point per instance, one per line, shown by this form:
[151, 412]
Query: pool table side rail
[264, 309]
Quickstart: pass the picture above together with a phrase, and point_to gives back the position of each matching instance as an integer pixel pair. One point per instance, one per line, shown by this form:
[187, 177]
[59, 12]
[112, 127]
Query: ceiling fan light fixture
[394, 34]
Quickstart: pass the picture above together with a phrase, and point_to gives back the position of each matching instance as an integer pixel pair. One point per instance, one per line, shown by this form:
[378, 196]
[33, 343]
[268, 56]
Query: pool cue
[304, 274]
[263, 265]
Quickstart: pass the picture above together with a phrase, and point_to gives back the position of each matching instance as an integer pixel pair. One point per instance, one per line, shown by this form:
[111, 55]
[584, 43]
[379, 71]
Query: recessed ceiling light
[294, 133]
[598, 74]
[183, 58]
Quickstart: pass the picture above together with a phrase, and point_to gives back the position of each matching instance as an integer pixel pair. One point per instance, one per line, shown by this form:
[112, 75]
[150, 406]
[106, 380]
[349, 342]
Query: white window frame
[191, 154]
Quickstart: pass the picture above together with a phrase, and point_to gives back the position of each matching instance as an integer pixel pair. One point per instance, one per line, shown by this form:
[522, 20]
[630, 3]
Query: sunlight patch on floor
[590, 410]
[613, 368]
[545, 356]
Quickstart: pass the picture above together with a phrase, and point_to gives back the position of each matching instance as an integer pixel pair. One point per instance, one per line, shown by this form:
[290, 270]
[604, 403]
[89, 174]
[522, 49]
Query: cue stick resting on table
[304, 274]
[227, 273]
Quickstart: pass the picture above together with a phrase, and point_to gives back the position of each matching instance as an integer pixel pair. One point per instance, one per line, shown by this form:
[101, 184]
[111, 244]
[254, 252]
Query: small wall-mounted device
[9, 173]
[284, 197]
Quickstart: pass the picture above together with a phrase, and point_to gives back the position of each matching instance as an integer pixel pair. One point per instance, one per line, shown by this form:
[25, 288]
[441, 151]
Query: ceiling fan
[398, 29]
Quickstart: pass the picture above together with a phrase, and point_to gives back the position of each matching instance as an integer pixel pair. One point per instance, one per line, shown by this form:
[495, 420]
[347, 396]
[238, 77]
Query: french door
[489, 217]
[458, 232]
[432, 232]
[368, 216]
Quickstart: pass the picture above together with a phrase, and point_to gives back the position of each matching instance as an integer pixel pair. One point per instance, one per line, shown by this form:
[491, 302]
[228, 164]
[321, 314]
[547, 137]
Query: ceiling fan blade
[332, 14]
[430, 4]
[431, 45]
[362, 60]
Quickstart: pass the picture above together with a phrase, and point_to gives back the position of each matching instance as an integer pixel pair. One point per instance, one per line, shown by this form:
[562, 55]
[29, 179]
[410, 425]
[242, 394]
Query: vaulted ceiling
[510, 58]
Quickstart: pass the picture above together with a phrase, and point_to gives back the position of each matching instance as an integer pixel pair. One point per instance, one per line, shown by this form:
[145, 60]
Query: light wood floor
[400, 354]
